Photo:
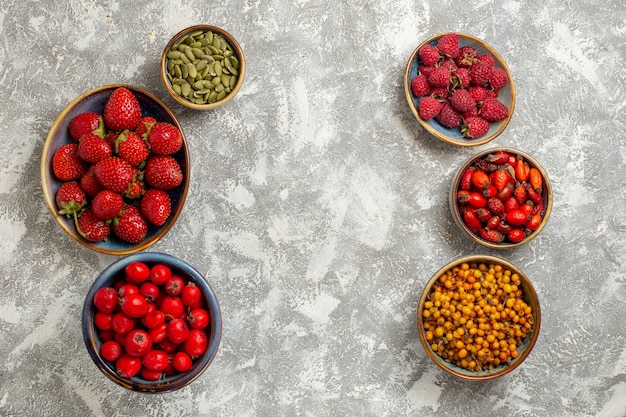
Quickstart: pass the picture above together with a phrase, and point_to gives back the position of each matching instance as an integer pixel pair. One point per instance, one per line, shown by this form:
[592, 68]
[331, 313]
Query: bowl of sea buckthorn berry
[501, 198]
[151, 322]
[460, 89]
[478, 317]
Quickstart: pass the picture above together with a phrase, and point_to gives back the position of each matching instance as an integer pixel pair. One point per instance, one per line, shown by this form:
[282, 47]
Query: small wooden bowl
[167, 77]
[530, 298]
[115, 272]
[94, 101]
[453, 136]
[546, 195]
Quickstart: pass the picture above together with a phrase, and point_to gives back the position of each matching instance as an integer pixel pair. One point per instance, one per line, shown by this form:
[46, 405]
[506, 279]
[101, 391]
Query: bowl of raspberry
[460, 89]
[501, 198]
[151, 322]
[115, 169]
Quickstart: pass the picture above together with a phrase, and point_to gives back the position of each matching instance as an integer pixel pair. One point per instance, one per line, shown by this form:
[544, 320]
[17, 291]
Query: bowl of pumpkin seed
[202, 67]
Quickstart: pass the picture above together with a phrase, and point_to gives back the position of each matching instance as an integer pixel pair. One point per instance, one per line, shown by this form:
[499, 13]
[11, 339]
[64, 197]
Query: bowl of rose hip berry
[501, 198]
[151, 322]
[460, 89]
[115, 169]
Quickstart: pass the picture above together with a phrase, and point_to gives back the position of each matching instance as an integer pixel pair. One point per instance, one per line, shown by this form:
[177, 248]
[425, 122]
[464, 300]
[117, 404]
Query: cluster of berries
[152, 322]
[459, 87]
[117, 170]
[500, 198]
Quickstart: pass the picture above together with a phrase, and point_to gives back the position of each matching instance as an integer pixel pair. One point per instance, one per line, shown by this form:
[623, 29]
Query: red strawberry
[66, 164]
[420, 86]
[480, 73]
[114, 174]
[110, 138]
[467, 56]
[84, 123]
[428, 107]
[70, 198]
[155, 206]
[163, 172]
[122, 110]
[89, 183]
[130, 147]
[90, 227]
[130, 225]
[144, 126]
[462, 101]
[107, 204]
[439, 77]
[448, 45]
[448, 117]
[164, 139]
[137, 186]
[498, 78]
[429, 55]
[92, 148]
[492, 110]
[474, 127]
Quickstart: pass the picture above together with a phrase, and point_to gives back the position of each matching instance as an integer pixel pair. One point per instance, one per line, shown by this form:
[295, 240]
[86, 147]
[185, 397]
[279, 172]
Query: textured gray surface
[318, 206]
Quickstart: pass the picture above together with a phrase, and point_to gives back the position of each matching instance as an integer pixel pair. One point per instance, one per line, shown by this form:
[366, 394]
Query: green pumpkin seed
[185, 59]
[191, 69]
[177, 71]
[184, 71]
[219, 88]
[225, 79]
[177, 89]
[178, 81]
[233, 81]
[216, 41]
[197, 53]
[214, 50]
[185, 89]
[209, 36]
[212, 97]
[234, 71]
[218, 69]
[201, 64]
[216, 81]
[195, 44]
[189, 54]
[234, 62]
[221, 95]
[173, 54]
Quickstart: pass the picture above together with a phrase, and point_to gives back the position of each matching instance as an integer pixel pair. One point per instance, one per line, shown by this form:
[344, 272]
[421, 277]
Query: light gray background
[318, 208]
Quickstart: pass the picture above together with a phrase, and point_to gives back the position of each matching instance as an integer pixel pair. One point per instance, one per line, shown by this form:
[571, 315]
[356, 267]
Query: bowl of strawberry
[115, 169]
[151, 322]
[501, 198]
[460, 89]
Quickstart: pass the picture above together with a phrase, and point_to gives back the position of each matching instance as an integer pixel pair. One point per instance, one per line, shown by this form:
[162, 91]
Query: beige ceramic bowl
[453, 136]
[530, 298]
[546, 196]
[193, 61]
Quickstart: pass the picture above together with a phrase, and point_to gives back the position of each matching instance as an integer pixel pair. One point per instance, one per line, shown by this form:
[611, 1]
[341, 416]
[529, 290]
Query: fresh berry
[498, 78]
[137, 185]
[495, 206]
[84, 123]
[90, 227]
[92, 148]
[429, 55]
[473, 112]
[519, 193]
[461, 78]
[132, 148]
[122, 110]
[480, 73]
[449, 63]
[155, 206]
[144, 126]
[493, 110]
[448, 117]
[130, 226]
[492, 236]
[428, 107]
[474, 127]
[467, 56]
[66, 164]
[420, 86]
[70, 198]
[89, 183]
[448, 45]
[479, 93]
[111, 138]
[462, 101]
[487, 59]
[114, 174]
[164, 139]
[425, 69]
[439, 77]
[440, 93]
[163, 172]
[107, 204]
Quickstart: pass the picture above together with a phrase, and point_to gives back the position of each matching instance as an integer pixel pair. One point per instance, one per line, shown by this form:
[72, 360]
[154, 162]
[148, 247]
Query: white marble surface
[318, 206]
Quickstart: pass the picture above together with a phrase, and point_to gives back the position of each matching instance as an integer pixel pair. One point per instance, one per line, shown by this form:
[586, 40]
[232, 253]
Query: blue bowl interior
[113, 273]
[58, 136]
[504, 95]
